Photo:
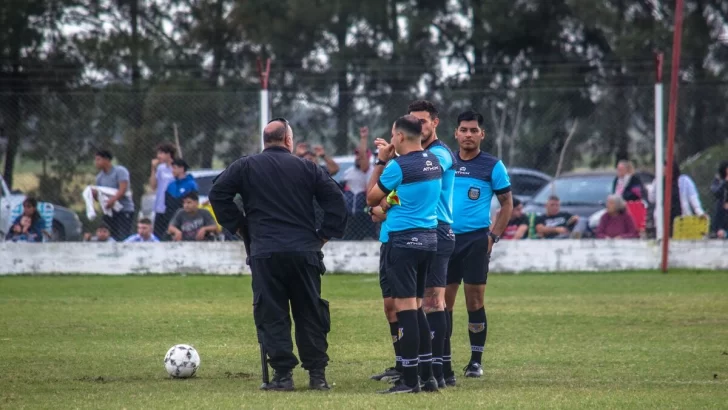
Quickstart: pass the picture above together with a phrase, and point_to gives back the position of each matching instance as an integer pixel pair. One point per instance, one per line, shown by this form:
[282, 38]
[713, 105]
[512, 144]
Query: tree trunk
[13, 123]
[343, 105]
[137, 146]
[207, 150]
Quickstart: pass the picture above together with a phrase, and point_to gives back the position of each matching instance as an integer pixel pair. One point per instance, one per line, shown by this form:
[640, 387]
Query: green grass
[640, 340]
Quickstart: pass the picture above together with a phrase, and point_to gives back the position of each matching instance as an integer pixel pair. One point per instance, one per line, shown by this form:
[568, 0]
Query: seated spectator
[626, 184]
[103, 234]
[144, 232]
[192, 223]
[37, 228]
[518, 225]
[555, 224]
[22, 231]
[616, 223]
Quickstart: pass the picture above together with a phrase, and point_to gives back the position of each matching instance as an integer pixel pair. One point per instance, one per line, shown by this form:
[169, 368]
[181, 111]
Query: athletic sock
[425, 346]
[446, 352]
[409, 345]
[394, 331]
[477, 330]
[438, 326]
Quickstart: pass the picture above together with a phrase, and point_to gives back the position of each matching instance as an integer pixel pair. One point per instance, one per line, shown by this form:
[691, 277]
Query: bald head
[278, 132]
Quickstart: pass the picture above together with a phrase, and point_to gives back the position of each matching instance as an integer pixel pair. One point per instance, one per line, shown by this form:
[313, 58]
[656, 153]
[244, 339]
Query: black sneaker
[441, 384]
[473, 369]
[400, 387]
[389, 375]
[429, 386]
[318, 380]
[451, 381]
[282, 381]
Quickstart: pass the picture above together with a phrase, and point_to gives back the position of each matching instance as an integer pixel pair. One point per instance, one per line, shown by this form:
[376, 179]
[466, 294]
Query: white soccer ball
[182, 361]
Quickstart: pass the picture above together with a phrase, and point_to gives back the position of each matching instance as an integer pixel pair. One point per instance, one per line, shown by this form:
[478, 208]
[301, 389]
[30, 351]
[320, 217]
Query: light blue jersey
[417, 177]
[448, 164]
[476, 181]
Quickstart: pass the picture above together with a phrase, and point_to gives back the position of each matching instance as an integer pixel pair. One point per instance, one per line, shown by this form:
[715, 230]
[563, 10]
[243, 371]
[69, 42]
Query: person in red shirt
[616, 223]
[518, 225]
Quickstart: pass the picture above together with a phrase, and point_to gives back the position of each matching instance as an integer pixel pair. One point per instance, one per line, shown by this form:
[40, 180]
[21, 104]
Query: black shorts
[383, 283]
[469, 260]
[408, 259]
[437, 277]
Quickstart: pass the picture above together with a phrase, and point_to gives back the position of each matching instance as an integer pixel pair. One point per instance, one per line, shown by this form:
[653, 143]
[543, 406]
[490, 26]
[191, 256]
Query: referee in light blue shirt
[410, 241]
[478, 176]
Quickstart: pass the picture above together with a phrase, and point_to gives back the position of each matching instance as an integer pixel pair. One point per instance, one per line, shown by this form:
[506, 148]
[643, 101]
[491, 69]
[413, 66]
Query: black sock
[438, 326]
[446, 352]
[394, 331]
[477, 330]
[425, 346]
[409, 345]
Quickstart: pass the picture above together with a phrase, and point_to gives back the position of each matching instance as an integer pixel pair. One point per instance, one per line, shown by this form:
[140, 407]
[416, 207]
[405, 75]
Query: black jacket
[633, 191]
[278, 191]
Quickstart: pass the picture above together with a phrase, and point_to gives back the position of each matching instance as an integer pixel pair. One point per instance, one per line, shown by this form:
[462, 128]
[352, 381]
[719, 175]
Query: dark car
[581, 193]
[525, 183]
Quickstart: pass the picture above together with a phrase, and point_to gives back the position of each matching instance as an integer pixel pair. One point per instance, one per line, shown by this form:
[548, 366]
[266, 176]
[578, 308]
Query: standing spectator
[34, 232]
[616, 223]
[517, 227]
[302, 148]
[356, 177]
[144, 232]
[182, 185]
[159, 180]
[318, 154]
[626, 183]
[719, 188]
[554, 223]
[685, 200]
[103, 234]
[192, 223]
[116, 177]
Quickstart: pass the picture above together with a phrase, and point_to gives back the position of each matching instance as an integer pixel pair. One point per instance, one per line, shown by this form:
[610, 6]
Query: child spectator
[159, 180]
[554, 223]
[518, 225]
[22, 231]
[616, 222]
[103, 234]
[144, 232]
[115, 177]
[192, 223]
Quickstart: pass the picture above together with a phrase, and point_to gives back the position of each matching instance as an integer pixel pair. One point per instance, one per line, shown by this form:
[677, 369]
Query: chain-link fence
[48, 141]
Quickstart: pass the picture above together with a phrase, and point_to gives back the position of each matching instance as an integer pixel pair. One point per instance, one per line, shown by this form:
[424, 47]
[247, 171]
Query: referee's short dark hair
[167, 148]
[471, 115]
[104, 153]
[423, 105]
[410, 126]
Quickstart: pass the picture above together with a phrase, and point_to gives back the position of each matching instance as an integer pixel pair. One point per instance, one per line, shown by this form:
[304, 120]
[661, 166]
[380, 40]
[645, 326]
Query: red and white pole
[264, 99]
[671, 125]
[659, 144]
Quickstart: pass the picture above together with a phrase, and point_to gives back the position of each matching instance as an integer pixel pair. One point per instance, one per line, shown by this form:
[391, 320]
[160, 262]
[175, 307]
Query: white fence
[227, 258]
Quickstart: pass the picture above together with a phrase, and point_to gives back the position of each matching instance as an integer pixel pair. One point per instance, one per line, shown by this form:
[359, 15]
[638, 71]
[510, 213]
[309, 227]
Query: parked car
[66, 224]
[203, 177]
[525, 183]
[581, 193]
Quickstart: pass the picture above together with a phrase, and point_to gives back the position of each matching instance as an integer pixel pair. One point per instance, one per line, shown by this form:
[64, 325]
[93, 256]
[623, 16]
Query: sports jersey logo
[414, 242]
[428, 163]
[429, 167]
[462, 171]
[476, 327]
[474, 193]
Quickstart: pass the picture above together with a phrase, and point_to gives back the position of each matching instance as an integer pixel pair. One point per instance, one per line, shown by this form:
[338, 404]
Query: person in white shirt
[159, 179]
[356, 177]
[144, 232]
[685, 199]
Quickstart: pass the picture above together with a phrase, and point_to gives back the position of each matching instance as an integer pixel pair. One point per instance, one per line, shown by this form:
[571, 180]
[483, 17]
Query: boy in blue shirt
[410, 239]
[478, 177]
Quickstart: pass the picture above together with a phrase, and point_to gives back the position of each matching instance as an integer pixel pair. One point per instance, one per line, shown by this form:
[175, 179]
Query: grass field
[636, 340]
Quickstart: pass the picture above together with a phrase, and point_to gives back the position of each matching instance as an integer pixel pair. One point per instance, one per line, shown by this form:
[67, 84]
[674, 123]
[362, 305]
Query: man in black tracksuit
[278, 191]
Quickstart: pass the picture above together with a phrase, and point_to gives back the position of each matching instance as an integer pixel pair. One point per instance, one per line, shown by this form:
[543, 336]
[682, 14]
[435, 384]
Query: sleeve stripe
[502, 190]
[384, 188]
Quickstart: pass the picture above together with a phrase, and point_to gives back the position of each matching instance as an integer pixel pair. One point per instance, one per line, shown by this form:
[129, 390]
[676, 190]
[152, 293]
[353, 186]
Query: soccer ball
[182, 361]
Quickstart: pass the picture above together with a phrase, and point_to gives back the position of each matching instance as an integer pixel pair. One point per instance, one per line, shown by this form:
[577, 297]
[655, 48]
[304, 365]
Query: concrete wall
[227, 258]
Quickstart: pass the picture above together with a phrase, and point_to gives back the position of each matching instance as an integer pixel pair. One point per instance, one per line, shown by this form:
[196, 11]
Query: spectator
[33, 233]
[356, 178]
[103, 234]
[22, 231]
[518, 225]
[192, 223]
[626, 183]
[115, 177]
[159, 180]
[144, 232]
[719, 188]
[302, 148]
[182, 185]
[320, 155]
[685, 200]
[616, 223]
[554, 223]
